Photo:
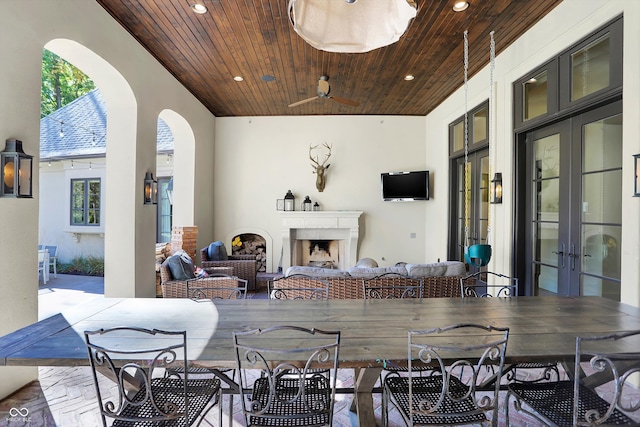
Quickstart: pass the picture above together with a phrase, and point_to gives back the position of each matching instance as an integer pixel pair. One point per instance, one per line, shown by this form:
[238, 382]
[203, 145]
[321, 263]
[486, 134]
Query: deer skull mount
[319, 168]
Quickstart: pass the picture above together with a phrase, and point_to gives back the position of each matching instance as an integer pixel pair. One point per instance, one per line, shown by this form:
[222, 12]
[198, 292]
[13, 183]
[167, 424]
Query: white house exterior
[73, 147]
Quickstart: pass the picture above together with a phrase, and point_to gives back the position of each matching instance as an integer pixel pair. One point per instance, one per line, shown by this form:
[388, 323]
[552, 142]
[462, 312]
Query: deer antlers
[320, 168]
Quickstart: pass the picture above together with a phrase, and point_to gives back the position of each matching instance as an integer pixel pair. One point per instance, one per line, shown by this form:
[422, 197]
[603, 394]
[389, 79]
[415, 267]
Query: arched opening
[119, 196]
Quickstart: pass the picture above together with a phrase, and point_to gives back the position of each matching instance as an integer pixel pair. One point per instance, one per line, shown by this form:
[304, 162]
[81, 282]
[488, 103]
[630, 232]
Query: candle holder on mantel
[289, 201]
[306, 204]
[316, 207]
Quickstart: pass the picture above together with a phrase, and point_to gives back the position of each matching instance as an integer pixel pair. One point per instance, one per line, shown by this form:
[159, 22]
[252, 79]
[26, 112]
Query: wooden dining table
[373, 332]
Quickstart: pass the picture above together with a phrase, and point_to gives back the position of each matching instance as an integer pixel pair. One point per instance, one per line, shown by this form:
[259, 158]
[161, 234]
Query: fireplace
[324, 238]
[318, 253]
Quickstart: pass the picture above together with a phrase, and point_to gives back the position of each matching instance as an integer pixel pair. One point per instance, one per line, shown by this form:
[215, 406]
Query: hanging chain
[467, 178]
[491, 113]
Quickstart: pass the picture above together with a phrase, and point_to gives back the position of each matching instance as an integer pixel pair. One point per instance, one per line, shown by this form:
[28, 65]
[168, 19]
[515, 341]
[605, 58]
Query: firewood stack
[253, 246]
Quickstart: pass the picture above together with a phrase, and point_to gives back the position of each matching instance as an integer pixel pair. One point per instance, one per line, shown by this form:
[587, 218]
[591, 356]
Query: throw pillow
[180, 269]
[217, 252]
[366, 263]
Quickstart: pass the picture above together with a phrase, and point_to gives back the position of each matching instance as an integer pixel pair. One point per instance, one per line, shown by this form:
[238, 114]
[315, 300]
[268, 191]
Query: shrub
[87, 266]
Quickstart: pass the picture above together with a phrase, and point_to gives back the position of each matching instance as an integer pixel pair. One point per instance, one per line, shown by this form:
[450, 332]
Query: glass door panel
[472, 201]
[483, 200]
[164, 212]
[575, 200]
[601, 213]
[546, 210]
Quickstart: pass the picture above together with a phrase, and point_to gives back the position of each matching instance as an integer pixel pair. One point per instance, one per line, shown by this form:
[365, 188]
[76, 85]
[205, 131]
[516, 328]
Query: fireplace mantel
[329, 225]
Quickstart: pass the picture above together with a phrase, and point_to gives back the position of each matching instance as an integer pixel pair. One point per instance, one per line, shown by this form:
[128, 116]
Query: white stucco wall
[568, 23]
[54, 228]
[258, 159]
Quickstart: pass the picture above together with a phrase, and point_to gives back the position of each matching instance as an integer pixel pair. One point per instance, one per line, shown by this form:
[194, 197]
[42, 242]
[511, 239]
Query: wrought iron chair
[299, 287]
[488, 284]
[226, 287]
[455, 392]
[147, 395]
[484, 284]
[207, 289]
[297, 381]
[597, 370]
[392, 286]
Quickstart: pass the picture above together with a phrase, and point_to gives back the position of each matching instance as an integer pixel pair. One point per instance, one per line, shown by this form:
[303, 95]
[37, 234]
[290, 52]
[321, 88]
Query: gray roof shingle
[84, 122]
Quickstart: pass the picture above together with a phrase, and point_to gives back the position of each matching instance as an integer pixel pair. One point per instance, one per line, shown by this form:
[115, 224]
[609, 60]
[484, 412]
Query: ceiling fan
[323, 92]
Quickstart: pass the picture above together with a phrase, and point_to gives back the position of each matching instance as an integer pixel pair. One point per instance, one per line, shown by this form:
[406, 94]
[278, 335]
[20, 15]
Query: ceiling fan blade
[345, 101]
[304, 101]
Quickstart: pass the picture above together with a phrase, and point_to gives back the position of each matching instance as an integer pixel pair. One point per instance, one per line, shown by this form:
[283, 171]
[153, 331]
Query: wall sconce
[289, 201]
[13, 159]
[496, 188]
[150, 189]
[636, 180]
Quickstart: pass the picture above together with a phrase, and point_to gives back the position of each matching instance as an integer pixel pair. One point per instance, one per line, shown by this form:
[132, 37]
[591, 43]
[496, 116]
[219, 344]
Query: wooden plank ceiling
[254, 39]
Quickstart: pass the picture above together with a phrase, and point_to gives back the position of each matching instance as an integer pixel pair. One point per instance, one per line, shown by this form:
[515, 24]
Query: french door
[574, 198]
[471, 201]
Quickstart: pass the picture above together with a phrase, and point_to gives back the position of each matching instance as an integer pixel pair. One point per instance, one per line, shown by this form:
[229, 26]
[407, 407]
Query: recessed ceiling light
[459, 6]
[198, 8]
[238, 78]
[409, 77]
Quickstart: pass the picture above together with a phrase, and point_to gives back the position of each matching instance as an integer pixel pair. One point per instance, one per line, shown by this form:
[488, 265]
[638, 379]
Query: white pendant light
[351, 26]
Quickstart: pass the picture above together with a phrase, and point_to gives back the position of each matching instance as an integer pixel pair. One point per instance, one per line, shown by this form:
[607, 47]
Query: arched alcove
[264, 235]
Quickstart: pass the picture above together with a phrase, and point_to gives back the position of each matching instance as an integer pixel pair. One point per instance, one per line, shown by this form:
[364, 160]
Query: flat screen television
[405, 186]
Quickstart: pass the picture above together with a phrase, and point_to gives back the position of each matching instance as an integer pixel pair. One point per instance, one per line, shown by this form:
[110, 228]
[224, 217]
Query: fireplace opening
[251, 244]
[320, 253]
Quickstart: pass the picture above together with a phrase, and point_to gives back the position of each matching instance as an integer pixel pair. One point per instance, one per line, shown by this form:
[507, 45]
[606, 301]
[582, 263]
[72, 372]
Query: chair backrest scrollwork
[392, 286]
[297, 380]
[463, 357]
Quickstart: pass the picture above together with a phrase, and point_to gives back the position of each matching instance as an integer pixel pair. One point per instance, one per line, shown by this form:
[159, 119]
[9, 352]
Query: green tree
[61, 83]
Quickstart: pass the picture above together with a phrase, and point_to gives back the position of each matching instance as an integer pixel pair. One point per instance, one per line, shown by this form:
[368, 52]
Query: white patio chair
[43, 265]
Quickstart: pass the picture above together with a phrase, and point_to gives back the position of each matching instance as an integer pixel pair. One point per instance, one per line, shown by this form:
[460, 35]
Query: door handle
[561, 254]
[573, 254]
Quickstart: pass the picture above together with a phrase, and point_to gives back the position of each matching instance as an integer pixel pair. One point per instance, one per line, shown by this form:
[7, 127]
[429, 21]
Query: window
[592, 68]
[164, 210]
[589, 71]
[478, 119]
[85, 202]
[469, 181]
[535, 94]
